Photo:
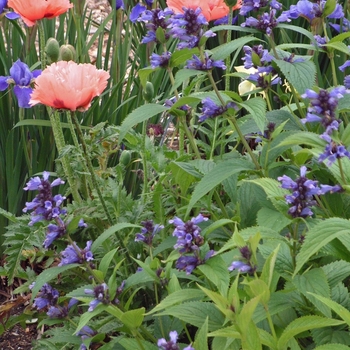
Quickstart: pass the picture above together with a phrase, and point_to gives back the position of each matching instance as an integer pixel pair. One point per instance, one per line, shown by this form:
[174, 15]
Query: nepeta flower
[188, 28]
[73, 254]
[160, 60]
[44, 206]
[188, 263]
[84, 333]
[154, 19]
[188, 234]
[256, 57]
[323, 106]
[100, 292]
[347, 82]
[303, 194]
[240, 266]
[22, 79]
[53, 232]
[148, 231]
[205, 64]
[46, 297]
[333, 151]
[255, 5]
[246, 265]
[172, 343]
[211, 110]
[265, 22]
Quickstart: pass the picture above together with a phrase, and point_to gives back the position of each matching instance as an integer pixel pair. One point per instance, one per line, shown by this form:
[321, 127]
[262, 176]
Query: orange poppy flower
[68, 85]
[211, 9]
[33, 10]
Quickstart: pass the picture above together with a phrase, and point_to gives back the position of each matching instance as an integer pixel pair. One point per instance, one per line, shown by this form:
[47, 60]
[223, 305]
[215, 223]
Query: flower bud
[52, 50]
[148, 92]
[125, 157]
[67, 53]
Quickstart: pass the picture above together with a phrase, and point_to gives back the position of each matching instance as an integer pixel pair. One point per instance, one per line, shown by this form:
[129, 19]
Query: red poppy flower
[68, 85]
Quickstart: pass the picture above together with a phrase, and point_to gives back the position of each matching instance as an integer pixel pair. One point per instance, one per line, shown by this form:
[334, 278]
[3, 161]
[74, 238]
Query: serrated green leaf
[268, 269]
[341, 311]
[318, 237]
[177, 297]
[222, 171]
[272, 218]
[109, 232]
[332, 347]
[140, 115]
[245, 316]
[184, 174]
[215, 225]
[338, 46]
[301, 75]
[336, 272]
[257, 108]
[201, 342]
[271, 187]
[129, 344]
[314, 281]
[303, 324]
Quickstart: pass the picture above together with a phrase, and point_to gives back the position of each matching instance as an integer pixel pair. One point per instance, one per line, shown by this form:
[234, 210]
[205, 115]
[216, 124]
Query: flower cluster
[85, 333]
[211, 110]
[188, 243]
[204, 63]
[172, 343]
[161, 61]
[256, 5]
[148, 232]
[244, 264]
[22, 79]
[73, 254]
[100, 292]
[303, 194]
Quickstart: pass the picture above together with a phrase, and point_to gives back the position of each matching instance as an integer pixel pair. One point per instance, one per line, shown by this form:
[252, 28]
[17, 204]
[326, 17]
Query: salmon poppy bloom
[68, 85]
[33, 10]
[211, 9]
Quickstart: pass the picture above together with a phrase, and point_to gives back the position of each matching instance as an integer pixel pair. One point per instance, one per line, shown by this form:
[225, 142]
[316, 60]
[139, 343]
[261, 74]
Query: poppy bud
[148, 92]
[125, 157]
[67, 53]
[52, 50]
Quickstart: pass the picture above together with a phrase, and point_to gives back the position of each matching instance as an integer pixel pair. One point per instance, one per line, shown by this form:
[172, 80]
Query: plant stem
[24, 139]
[228, 58]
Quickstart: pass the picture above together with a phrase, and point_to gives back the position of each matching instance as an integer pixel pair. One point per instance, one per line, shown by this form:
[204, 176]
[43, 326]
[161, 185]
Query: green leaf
[182, 75]
[140, 115]
[319, 236]
[201, 342]
[224, 50]
[303, 324]
[268, 269]
[314, 281]
[245, 316]
[332, 347]
[215, 270]
[184, 174]
[222, 171]
[341, 311]
[109, 232]
[273, 219]
[144, 73]
[49, 274]
[301, 75]
[257, 108]
[106, 261]
[215, 225]
[195, 312]
[131, 344]
[87, 316]
[338, 46]
[133, 318]
[176, 298]
[179, 57]
[336, 272]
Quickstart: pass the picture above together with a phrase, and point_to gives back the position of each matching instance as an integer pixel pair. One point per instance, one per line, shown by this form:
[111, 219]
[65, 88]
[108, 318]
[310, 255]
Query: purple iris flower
[119, 5]
[8, 14]
[344, 27]
[73, 254]
[22, 78]
[136, 12]
[310, 10]
[345, 65]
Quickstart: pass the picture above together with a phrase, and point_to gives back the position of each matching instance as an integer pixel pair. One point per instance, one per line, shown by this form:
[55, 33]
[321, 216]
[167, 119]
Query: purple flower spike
[160, 60]
[211, 109]
[100, 292]
[206, 64]
[22, 78]
[172, 343]
[333, 151]
[148, 232]
[46, 297]
[73, 254]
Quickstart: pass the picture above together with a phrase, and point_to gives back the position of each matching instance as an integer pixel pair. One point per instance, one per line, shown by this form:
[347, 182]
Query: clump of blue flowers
[303, 194]
[171, 344]
[148, 232]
